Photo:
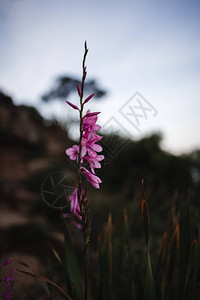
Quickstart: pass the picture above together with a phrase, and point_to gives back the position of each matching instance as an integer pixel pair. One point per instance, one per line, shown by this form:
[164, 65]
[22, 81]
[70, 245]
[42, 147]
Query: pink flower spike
[91, 114]
[73, 152]
[79, 90]
[72, 105]
[93, 179]
[88, 98]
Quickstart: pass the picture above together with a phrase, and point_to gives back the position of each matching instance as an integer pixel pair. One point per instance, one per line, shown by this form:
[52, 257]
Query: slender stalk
[81, 124]
[86, 252]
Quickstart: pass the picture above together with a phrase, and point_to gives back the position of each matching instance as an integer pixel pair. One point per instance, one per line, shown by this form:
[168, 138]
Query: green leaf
[190, 269]
[191, 292]
[47, 280]
[72, 267]
[149, 291]
[173, 258]
[50, 276]
[184, 247]
[145, 215]
[136, 287]
[55, 253]
[105, 262]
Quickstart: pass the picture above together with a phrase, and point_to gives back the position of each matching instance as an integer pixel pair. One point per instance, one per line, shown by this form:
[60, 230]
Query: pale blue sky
[148, 46]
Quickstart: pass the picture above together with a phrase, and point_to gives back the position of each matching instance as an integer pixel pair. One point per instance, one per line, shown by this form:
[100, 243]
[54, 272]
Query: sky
[146, 54]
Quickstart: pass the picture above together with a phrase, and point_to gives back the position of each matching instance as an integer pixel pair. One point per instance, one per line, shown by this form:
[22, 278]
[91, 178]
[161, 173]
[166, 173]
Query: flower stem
[81, 124]
[80, 200]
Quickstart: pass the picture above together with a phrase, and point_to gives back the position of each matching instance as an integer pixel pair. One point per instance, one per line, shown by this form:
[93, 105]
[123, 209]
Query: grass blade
[44, 279]
[184, 247]
[72, 266]
[136, 288]
[149, 291]
[145, 215]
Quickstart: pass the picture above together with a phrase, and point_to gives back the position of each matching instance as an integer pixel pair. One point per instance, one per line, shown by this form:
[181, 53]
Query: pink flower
[6, 262]
[89, 144]
[74, 151]
[89, 114]
[9, 280]
[74, 205]
[93, 179]
[89, 123]
[77, 224]
[94, 162]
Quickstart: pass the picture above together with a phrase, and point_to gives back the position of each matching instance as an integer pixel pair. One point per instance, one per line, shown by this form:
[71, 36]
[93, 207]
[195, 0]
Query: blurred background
[144, 67]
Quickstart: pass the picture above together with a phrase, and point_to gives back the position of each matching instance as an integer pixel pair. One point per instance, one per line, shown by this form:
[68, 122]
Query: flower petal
[91, 114]
[93, 179]
[96, 147]
[73, 152]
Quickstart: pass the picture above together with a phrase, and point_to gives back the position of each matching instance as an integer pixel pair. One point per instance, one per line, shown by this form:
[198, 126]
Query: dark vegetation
[31, 149]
